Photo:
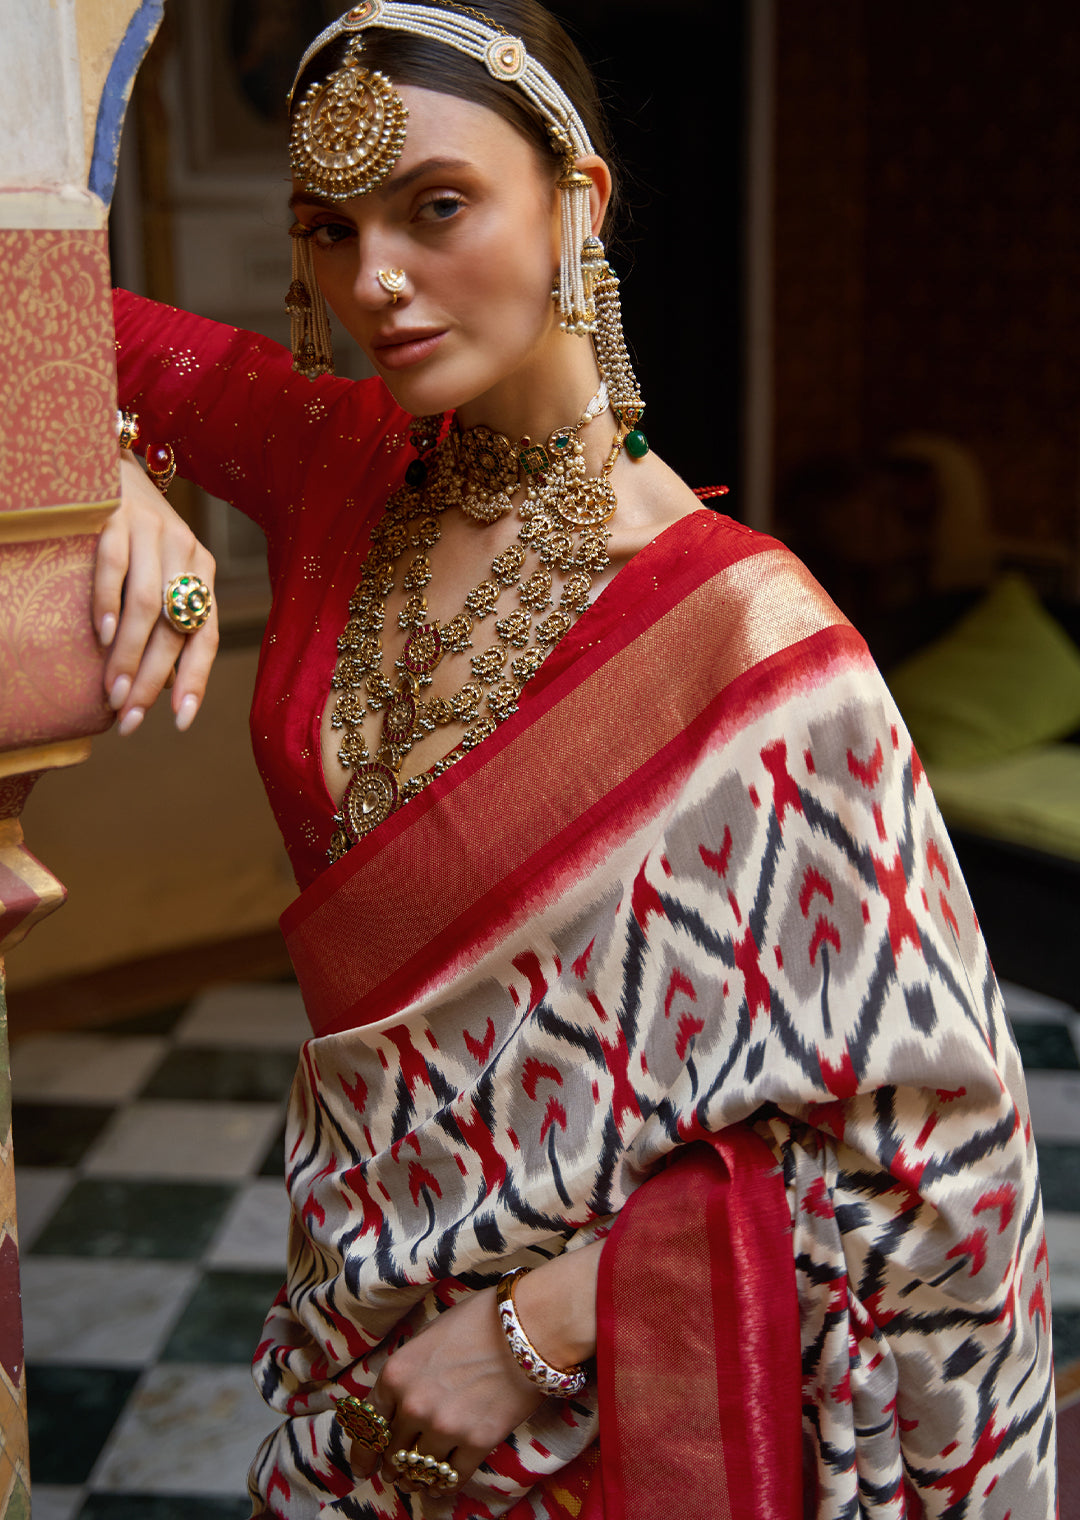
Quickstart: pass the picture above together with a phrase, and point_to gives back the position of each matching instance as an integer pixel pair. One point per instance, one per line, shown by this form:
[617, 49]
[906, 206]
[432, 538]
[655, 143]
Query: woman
[643, 962]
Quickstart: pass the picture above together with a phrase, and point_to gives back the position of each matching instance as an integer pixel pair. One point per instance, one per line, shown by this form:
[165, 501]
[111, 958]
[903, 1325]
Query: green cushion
[1005, 677]
[1032, 798]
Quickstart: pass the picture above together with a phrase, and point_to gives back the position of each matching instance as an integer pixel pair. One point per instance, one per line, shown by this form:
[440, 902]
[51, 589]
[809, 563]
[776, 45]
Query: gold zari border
[36, 524]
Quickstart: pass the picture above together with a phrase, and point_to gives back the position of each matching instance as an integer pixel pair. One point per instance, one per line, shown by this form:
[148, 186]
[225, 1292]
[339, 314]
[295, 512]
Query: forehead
[449, 123]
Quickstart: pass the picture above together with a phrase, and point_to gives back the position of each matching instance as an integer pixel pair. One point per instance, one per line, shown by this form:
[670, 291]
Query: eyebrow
[389, 187]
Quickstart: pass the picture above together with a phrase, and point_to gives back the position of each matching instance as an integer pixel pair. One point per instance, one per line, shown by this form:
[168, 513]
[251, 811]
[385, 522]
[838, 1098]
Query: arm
[227, 401]
[456, 1392]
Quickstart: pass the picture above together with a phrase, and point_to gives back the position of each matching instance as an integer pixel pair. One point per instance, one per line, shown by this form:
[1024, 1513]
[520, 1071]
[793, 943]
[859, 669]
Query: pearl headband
[349, 130]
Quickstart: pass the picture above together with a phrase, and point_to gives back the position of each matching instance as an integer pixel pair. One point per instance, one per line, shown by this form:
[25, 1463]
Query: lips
[399, 350]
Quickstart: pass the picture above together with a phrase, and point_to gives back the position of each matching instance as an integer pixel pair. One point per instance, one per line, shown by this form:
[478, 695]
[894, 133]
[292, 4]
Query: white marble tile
[187, 1429]
[38, 1190]
[101, 1313]
[253, 1232]
[1063, 1244]
[82, 1068]
[264, 1017]
[1054, 1097]
[52, 1502]
[1023, 1004]
[171, 1138]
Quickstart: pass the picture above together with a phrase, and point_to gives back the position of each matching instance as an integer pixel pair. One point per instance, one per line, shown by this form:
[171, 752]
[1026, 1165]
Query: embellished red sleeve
[226, 400]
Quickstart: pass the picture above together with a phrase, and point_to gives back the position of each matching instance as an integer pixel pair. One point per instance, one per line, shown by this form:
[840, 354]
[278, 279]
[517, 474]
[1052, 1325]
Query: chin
[429, 394]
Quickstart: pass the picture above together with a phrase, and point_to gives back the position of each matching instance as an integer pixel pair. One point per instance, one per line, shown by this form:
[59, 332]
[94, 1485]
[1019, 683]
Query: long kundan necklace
[563, 518]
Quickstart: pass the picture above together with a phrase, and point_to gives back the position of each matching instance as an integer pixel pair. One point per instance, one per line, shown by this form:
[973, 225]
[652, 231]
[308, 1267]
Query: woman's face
[469, 213]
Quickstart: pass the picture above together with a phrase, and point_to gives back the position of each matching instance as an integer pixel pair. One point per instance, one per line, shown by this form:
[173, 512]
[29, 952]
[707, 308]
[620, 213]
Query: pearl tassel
[312, 346]
[575, 298]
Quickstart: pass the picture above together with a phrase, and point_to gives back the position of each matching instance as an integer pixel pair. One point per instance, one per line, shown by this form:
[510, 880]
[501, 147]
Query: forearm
[556, 1305]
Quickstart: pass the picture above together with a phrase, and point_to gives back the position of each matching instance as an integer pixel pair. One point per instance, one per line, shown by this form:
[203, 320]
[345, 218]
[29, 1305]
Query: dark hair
[430, 65]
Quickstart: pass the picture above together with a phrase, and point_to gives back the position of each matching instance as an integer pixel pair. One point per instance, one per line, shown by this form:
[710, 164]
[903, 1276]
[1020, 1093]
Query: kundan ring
[187, 602]
[427, 1473]
[362, 1421]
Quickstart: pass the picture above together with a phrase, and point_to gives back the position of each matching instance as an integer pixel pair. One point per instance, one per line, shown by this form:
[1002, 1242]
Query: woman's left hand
[142, 547]
[454, 1392]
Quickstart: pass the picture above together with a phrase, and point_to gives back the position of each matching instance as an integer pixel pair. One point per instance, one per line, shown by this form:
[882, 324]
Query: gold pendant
[370, 797]
[586, 505]
[400, 717]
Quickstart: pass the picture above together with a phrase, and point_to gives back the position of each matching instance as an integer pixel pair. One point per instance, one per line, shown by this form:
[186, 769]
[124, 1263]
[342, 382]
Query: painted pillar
[66, 70]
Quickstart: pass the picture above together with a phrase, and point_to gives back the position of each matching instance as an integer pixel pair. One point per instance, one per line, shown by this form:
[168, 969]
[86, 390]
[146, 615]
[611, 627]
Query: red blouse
[312, 464]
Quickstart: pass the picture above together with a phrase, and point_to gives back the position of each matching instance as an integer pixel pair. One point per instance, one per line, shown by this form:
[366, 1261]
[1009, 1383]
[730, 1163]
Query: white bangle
[564, 1382]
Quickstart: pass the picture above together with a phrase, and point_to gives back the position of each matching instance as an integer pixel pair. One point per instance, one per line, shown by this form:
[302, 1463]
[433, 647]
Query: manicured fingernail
[107, 632]
[119, 694]
[186, 715]
[130, 722]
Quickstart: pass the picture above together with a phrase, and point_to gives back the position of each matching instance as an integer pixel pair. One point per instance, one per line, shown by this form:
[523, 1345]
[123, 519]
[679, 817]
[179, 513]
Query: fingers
[428, 1434]
[143, 547]
[109, 573]
[198, 655]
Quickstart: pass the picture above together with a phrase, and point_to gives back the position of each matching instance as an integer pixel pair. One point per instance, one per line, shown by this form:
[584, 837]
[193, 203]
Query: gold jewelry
[361, 1421]
[563, 514]
[393, 282]
[127, 429]
[348, 131]
[428, 1473]
[312, 349]
[186, 603]
[160, 465]
[351, 101]
[563, 1382]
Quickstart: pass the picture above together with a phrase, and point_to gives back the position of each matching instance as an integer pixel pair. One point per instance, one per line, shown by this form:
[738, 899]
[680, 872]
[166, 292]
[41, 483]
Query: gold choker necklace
[562, 527]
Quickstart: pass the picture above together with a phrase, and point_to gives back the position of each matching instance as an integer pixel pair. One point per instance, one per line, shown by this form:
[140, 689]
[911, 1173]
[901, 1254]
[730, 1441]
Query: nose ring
[393, 282]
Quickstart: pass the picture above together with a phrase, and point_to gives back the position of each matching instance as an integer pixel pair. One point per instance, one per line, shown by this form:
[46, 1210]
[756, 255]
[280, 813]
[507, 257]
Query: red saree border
[450, 873]
[624, 610]
[698, 1344]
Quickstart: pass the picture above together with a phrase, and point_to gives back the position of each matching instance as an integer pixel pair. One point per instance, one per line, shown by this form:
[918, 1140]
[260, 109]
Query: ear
[600, 196]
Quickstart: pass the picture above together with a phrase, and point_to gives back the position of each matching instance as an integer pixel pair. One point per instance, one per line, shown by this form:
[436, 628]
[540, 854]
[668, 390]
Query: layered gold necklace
[563, 517]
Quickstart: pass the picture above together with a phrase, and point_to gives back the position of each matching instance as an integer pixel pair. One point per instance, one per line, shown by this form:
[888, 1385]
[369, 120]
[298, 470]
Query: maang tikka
[349, 131]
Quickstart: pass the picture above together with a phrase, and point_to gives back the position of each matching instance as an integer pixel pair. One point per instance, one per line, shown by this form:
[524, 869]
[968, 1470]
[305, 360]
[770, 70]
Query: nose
[393, 282]
[380, 279]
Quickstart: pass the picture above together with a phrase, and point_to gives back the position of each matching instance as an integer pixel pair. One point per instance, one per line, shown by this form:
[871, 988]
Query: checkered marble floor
[152, 1221]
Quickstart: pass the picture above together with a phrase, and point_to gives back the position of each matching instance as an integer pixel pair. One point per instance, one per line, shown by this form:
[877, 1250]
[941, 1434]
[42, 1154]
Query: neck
[550, 392]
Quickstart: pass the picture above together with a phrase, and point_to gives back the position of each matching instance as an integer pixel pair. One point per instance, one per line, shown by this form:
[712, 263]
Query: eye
[329, 234]
[440, 208]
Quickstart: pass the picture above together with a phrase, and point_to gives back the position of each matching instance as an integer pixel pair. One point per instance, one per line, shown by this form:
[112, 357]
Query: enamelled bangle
[563, 1382]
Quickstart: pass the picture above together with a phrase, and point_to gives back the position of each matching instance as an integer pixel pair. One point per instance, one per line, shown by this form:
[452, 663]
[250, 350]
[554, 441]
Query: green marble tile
[234, 1076]
[274, 1162]
[162, 1507]
[224, 1318]
[72, 1410]
[170, 1221]
[1046, 1047]
[56, 1134]
[1059, 1172]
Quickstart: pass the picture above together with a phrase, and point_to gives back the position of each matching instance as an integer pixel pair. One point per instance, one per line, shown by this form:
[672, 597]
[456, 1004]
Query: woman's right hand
[142, 548]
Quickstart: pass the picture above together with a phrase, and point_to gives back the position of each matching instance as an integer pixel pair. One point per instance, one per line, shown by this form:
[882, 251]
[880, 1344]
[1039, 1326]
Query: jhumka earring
[609, 342]
[313, 353]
